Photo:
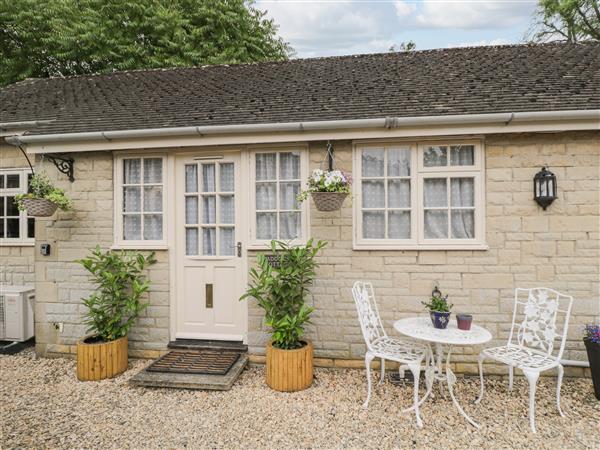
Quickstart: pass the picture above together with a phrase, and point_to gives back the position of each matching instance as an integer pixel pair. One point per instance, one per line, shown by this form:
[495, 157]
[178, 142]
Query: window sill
[266, 245]
[18, 244]
[139, 247]
[438, 247]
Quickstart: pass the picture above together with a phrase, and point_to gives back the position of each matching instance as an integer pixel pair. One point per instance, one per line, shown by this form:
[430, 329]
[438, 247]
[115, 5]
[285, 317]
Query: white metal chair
[533, 349]
[380, 345]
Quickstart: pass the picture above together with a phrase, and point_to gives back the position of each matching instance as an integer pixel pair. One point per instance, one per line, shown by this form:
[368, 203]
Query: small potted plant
[328, 188]
[591, 340]
[111, 311]
[43, 199]
[439, 309]
[280, 287]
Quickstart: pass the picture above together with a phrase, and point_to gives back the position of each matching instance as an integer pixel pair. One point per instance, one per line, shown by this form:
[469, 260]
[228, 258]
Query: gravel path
[43, 405]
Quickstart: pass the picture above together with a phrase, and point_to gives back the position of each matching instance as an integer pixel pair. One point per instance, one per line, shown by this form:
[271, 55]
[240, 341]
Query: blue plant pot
[439, 319]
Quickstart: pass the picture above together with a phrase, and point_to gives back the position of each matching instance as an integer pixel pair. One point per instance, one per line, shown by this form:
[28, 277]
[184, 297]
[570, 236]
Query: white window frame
[22, 240]
[418, 173]
[260, 244]
[142, 244]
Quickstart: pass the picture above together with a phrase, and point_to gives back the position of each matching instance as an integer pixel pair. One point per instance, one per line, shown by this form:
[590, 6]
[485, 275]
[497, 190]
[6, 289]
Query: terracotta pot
[289, 370]
[100, 360]
[39, 207]
[593, 351]
[463, 321]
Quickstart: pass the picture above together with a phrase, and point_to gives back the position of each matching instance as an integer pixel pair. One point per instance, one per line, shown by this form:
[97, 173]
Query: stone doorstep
[191, 381]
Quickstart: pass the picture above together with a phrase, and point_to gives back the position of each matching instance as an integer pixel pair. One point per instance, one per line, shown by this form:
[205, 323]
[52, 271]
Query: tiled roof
[476, 80]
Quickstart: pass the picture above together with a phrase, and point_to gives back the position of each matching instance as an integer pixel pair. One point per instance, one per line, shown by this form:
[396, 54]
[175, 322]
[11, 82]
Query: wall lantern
[544, 188]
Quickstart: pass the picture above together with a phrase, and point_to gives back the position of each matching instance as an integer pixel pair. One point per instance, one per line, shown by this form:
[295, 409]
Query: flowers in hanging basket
[592, 333]
[43, 197]
[334, 181]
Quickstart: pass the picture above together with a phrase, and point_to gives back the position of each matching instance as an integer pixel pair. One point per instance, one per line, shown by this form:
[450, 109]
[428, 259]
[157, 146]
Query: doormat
[206, 362]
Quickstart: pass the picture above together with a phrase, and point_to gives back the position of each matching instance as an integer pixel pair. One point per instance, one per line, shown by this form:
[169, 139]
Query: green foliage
[117, 302]
[566, 20]
[407, 46]
[281, 292]
[41, 187]
[437, 302]
[42, 38]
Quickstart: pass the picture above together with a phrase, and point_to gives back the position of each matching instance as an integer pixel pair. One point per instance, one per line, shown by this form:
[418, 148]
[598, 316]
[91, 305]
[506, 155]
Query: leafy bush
[281, 291]
[40, 187]
[437, 302]
[116, 304]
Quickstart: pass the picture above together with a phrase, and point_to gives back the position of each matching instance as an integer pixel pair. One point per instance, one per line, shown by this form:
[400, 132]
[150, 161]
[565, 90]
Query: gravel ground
[44, 406]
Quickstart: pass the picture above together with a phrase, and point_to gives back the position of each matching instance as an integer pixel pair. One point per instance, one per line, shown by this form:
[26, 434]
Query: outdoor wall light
[544, 188]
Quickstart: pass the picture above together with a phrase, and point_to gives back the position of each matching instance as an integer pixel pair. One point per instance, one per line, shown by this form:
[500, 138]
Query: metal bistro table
[421, 328]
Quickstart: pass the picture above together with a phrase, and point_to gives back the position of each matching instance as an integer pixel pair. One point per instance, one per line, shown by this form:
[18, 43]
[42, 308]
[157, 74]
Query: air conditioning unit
[16, 312]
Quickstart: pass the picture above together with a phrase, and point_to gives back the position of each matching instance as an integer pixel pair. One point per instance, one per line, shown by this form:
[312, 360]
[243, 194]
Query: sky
[343, 27]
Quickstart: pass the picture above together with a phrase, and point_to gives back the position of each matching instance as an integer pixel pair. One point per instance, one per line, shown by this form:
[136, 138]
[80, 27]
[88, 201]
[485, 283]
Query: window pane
[152, 170]
[289, 225]
[1, 228]
[209, 241]
[435, 194]
[227, 244]
[398, 162]
[30, 227]
[463, 223]
[2, 181]
[462, 192]
[373, 224]
[209, 209]
[287, 195]
[13, 181]
[208, 178]
[435, 156]
[191, 241]
[11, 207]
[372, 162]
[289, 166]
[436, 224]
[265, 166]
[462, 155]
[132, 227]
[266, 196]
[2, 206]
[12, 228]
[266, 226]
[399, 224]
[399, 194]
[191, 210]
[373, 194]
[191, 178]
[153, 199]
[227, 177]
[132, 199]
[153, 227]
[227, 209]
[131, 171]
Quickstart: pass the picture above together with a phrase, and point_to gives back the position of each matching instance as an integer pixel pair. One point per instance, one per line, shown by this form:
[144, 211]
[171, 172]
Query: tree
[403, 47]
[42, 38]
[566, 20]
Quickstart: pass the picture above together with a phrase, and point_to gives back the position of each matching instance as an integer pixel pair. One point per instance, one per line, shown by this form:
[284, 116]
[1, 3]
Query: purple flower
[592, 333]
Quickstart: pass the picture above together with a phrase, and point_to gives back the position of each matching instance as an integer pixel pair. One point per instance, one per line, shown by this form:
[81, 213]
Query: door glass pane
[287, 195]
[462, 155]
[152, 198]
[132, 171]
[152, 170]
[436, 224]
[289, 225]
[398, 194]
[209, 242]
[266, 196]
[399, 224]
[153, 227]
[227, 242]
[435, 156]
[266, 225]
[227, 177]
[372, 162]
[30, 227]
[12, 228]
[132, 199]
[435, 194]
[191, 178]
[398, 164]
[11, 207]
[463, 223]
[209, 209]
[227, 209]
[191, 210]
[373, 194]
[289, 166]
[462, 192]
[373, 224]
[191, 241]
[208, 178]
[265, 166]
[132, 227]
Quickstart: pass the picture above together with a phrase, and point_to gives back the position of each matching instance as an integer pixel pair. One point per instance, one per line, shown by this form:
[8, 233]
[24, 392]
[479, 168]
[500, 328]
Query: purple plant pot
[464, 321]
[439, 319]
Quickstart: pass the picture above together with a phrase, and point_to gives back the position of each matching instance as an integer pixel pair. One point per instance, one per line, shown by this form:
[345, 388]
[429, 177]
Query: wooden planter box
[289, 370]
[100, 360]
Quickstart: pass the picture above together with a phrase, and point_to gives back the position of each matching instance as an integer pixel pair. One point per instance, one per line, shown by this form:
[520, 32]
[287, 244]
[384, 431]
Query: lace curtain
[462, 202]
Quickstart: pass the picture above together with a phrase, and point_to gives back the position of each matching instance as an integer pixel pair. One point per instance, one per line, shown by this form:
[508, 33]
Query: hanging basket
[39, 207]
[328, 201]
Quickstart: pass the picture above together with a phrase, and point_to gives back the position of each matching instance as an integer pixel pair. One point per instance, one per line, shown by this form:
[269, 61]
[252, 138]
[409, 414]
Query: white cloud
[482, 43]
[404, 9]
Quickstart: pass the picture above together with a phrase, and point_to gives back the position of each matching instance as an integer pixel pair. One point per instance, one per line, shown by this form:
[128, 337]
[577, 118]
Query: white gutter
[387, 122]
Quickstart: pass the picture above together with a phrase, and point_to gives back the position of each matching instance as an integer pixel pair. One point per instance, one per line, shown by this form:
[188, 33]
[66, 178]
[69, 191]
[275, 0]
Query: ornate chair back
[368, 314]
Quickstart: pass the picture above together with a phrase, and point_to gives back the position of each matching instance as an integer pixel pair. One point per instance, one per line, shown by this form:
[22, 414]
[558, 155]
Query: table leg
[451, 379]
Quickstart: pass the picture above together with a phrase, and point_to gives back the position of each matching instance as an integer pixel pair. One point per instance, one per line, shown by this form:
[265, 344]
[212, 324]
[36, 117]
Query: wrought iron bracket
[64, 165]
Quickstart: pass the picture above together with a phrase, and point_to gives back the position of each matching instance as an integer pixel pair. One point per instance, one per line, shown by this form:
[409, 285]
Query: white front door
[211, 267]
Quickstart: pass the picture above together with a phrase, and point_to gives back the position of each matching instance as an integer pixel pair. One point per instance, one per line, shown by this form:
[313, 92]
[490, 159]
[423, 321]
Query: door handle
[239, 249]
